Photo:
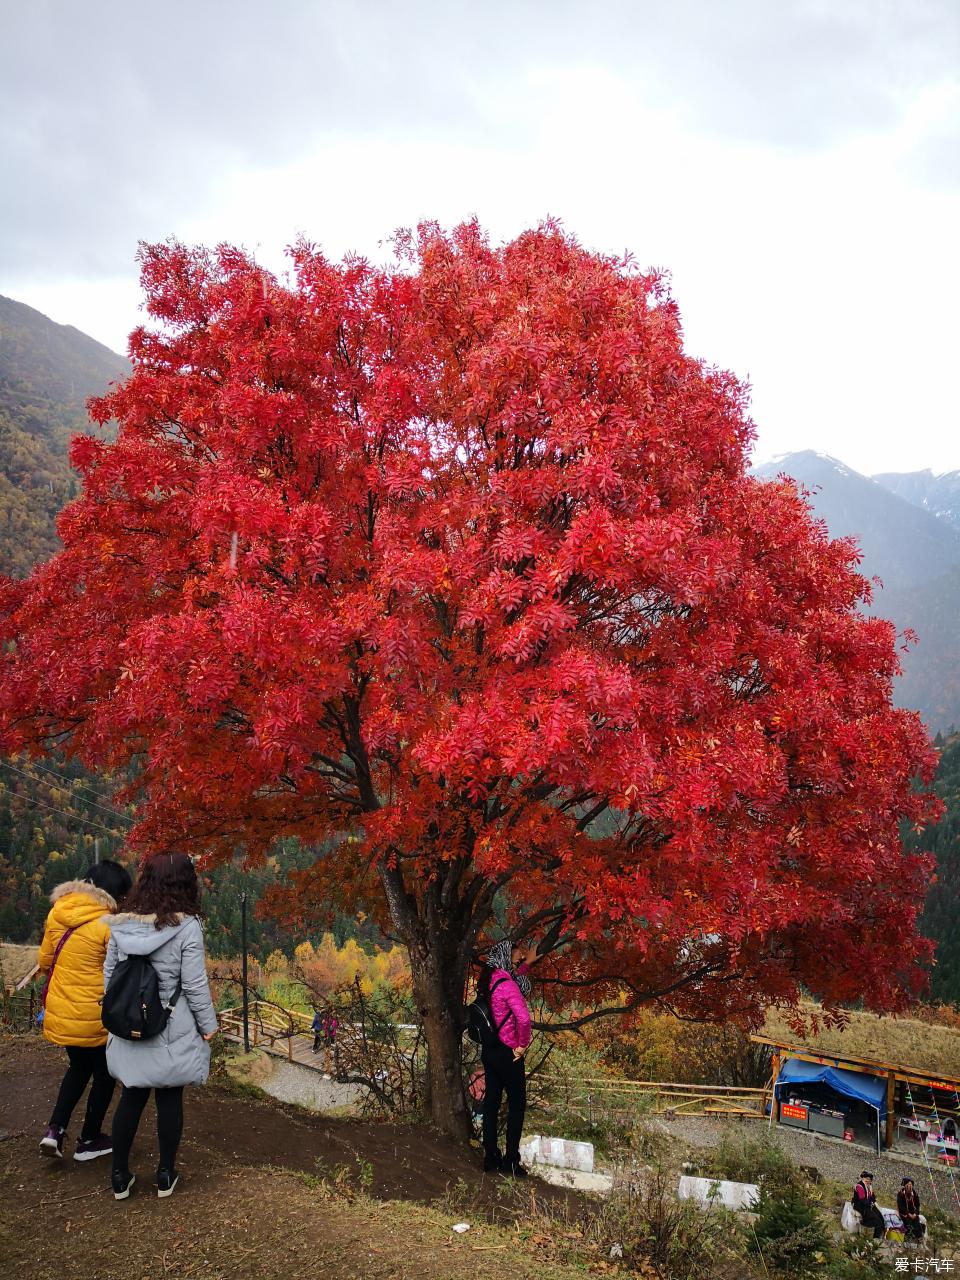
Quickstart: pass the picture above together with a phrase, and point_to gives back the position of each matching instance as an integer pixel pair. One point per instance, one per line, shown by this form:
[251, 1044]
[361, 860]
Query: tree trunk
[440, 932]
[438, 992]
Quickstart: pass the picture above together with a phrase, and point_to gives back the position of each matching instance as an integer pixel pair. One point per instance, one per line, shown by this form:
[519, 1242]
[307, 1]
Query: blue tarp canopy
[853, 1084]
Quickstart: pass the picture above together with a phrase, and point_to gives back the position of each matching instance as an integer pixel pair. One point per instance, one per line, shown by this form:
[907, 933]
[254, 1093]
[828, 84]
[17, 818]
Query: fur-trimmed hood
[133, 917]
[100, 896]
[138, 935]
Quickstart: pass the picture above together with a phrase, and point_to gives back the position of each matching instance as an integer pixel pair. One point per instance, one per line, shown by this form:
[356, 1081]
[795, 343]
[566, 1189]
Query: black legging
[84, 1063]
[503, 1074]
[126, 1118]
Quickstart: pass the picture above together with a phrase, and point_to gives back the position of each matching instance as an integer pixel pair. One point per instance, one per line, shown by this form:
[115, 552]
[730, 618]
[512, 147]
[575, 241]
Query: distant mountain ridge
[938, 494]
[47, 373]
[902, 543]
[908, 538]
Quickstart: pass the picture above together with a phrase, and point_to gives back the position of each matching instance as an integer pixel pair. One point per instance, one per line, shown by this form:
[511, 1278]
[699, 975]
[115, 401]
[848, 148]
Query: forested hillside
[943, 905]
[47, 373]
[55, 819]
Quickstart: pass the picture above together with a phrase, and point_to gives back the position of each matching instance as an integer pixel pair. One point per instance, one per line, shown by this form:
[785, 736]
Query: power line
[72, 817]
[114, 813]
[83, 786]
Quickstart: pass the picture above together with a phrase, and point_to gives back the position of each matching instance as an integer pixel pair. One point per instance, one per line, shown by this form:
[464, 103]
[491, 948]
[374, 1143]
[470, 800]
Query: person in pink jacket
[507, 989]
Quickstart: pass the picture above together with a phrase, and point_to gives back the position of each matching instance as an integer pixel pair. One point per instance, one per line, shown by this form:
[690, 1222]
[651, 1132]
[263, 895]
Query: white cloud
[822, 267]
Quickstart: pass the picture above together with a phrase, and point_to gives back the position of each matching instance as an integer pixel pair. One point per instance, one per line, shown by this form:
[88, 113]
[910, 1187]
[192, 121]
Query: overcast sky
[795, 164]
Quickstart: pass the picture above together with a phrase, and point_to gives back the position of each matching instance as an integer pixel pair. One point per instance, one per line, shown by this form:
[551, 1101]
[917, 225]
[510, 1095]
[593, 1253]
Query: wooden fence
[660, 1096]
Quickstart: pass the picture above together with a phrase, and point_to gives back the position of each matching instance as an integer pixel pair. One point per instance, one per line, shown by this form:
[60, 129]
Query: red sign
[795, 1113]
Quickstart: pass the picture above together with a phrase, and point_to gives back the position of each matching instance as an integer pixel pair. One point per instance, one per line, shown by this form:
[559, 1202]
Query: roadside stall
[820, 1098]
[842, 1095]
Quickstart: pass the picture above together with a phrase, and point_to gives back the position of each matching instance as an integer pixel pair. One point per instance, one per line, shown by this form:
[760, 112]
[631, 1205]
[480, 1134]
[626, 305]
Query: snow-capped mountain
[938, 494]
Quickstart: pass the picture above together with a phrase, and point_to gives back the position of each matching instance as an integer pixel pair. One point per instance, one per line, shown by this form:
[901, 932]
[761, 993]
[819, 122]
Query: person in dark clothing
[506, 989]
[908, 1207]
[317, 1027]
[865, 1203]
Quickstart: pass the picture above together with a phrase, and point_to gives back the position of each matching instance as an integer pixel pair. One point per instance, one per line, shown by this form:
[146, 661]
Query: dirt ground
[255, 1196]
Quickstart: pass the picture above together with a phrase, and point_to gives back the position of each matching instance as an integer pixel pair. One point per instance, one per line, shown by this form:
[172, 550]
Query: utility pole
[96, 850]
[243, 943]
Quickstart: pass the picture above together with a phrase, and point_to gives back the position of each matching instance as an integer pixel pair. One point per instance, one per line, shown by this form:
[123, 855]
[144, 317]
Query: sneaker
[51, 1144]
[167, 1179]
[122, 1182]
[90, 1148]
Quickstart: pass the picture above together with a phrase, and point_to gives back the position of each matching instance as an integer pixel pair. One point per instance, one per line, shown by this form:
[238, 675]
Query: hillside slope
[916, 554]
[938, 494]
[47, 373]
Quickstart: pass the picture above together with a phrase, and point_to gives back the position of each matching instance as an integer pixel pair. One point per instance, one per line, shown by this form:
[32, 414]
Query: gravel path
[289, 1082]
[839, 1161]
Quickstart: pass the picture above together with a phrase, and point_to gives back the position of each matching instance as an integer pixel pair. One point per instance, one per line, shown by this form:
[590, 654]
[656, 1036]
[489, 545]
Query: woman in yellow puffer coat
[78, 924]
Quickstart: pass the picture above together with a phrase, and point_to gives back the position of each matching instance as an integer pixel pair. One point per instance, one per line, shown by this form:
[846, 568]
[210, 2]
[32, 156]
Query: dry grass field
[16, 962]
[903, 1042]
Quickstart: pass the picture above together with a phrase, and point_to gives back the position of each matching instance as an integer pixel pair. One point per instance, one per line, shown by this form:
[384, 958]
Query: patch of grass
[642, 1230]
[753, 1158]
[241, 1074]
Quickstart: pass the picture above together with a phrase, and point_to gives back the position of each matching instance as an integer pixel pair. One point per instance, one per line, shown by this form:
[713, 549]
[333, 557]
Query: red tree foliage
[460, 562]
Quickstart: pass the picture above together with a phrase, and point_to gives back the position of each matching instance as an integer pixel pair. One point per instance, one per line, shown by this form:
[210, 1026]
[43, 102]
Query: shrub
[789, 1232]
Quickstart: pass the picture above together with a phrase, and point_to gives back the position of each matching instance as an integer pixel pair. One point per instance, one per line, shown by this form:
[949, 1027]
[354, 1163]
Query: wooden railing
[267, 1022]
[272, 1026]
[682, 1099]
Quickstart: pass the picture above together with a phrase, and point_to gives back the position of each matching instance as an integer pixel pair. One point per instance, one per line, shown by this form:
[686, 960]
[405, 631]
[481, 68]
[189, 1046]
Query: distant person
[908, 1207]
[865, 1203]
[72, 954]
[331, 1026]
[506, 988]
[316, 1026]
[162, 922]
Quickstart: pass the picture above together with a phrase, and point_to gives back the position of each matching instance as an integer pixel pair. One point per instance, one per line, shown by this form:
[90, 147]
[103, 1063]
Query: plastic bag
[849, 1218]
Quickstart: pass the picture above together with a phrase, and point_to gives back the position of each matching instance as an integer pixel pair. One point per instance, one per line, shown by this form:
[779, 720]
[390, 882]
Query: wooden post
[891, 1089]
[774, 1099]
[246, 990]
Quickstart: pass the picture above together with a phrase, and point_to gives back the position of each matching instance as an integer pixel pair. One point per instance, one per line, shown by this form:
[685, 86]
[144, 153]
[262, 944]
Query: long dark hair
[167, 888]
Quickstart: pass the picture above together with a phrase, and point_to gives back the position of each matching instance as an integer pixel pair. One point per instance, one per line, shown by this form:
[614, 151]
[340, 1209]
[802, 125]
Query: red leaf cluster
[461, 558]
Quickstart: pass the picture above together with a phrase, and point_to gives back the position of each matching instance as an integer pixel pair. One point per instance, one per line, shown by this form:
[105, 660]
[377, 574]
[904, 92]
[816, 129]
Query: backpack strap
[498, 1027]
[172, 1002]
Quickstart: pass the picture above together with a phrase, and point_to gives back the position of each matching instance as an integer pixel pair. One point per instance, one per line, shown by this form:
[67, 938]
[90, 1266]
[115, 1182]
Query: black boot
[511, 1167]
[491, 1161]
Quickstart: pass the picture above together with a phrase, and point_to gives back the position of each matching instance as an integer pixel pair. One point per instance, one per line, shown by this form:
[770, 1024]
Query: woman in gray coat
[162, 922]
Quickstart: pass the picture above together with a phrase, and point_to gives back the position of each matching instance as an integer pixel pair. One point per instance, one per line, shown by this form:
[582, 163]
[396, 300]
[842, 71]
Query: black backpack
[131, 1007]
[480, 1025]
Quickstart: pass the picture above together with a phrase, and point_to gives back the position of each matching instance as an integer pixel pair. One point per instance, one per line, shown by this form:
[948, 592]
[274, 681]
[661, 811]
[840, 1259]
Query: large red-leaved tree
[457, 567]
